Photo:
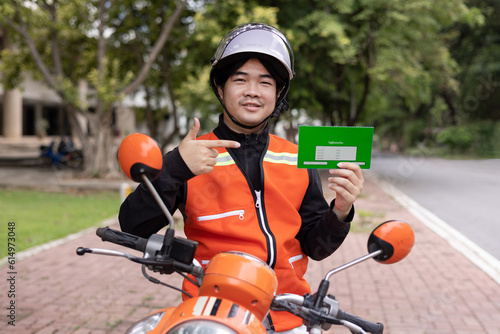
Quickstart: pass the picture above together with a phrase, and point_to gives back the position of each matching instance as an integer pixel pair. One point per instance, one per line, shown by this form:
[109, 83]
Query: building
[30, 110]
[34, 109]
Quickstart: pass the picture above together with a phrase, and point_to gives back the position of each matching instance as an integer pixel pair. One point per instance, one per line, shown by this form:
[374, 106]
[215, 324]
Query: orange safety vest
[223, 213]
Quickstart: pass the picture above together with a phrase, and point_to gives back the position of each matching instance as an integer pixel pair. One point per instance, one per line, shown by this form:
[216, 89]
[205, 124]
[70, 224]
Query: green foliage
[477, 139]
[70, 28]
[111, 81]
[457, 138]
[346, 49]
[11, 67]
[478, 51]
[410, 68]
[486, 139]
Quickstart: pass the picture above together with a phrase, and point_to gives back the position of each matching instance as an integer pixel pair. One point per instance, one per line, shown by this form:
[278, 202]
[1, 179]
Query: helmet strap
[283, 106]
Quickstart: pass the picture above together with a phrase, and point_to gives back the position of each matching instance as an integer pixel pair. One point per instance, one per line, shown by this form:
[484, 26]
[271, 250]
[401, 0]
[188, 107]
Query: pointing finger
[220, 143]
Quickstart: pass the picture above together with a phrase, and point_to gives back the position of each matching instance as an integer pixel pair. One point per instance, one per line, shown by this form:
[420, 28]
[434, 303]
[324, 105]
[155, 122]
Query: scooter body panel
[209, 312]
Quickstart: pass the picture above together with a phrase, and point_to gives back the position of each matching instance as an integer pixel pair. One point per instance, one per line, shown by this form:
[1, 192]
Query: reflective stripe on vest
[225, 159]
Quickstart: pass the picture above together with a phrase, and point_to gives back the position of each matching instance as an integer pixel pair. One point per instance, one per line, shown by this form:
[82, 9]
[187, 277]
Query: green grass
[41, 217]
[366, 222]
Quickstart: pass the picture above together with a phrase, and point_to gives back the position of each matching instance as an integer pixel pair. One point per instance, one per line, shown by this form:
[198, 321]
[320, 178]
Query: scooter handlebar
[122, 238]
[368, 326]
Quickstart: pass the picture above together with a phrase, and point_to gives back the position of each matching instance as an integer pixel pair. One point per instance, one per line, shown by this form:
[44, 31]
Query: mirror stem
[158, 200]
[352, 263]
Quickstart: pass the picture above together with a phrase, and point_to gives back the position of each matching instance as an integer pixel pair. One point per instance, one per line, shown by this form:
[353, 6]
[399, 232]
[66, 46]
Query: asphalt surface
[436, 289]
[463, 193]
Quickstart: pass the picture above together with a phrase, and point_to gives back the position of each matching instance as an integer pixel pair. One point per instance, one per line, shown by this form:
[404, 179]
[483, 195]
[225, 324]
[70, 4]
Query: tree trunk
[150, 119]
[359, 109]
[99, 156]
[99, 160]
[97, 147]
[452, 113]
[174, 115]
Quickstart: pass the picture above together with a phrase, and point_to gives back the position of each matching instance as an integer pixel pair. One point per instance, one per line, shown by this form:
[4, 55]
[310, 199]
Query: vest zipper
[258, 205]
[240, 213]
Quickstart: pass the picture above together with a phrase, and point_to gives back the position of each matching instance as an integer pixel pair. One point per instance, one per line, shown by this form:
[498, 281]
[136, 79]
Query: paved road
[464, 194]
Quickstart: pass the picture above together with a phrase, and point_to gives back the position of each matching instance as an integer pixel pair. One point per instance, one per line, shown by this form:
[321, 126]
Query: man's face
[249, 95]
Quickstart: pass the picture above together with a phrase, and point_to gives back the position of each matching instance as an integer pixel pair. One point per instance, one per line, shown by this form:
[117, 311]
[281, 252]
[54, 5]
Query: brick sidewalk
[434, 291]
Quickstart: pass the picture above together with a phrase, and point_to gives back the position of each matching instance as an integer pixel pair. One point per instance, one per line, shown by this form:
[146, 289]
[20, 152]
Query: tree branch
[56, 52]
[37, 58]
[101, 51]
[165, 32]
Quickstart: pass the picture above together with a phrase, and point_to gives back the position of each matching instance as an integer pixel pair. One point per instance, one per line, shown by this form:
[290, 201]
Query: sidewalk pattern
[434, 291]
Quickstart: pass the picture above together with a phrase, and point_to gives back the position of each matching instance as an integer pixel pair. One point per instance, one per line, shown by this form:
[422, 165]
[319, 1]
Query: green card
[326, 146]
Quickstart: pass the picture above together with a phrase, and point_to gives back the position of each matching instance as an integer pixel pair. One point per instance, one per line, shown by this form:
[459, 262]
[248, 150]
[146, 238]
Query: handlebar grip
[122, 238]
[368, 326]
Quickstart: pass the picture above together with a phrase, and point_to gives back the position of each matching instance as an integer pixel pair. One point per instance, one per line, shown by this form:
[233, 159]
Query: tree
[476, 50]
[416, 72]
[68, 41]
[394, 64]
[358, 61]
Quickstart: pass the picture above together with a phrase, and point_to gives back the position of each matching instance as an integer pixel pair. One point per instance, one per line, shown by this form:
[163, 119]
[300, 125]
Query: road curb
[478, 256]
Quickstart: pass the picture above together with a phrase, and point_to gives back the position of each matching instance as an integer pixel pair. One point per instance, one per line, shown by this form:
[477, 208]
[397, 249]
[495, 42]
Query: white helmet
[260, 41]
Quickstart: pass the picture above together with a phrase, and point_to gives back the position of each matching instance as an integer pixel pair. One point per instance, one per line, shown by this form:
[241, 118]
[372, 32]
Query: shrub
[457, 138]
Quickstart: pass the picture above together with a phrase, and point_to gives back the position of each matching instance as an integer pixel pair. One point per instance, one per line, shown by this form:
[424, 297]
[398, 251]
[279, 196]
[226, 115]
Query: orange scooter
[236, 290]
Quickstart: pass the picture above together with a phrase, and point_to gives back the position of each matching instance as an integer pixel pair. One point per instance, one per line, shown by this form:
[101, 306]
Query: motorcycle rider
[238, 187]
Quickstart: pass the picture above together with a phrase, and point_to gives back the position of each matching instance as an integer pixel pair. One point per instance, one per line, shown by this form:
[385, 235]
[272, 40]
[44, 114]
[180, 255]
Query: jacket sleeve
[140, 214]
[321, 232]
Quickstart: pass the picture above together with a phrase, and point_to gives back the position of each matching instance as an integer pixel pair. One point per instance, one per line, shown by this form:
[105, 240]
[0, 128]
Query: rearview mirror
[138, 155]
[395, 238]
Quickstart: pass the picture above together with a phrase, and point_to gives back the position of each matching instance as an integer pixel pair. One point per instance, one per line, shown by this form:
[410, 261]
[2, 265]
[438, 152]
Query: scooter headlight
[201, 327]
[145, 325]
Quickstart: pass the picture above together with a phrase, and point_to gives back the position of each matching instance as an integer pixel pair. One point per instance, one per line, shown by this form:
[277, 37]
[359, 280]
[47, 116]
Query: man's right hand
[200, 155]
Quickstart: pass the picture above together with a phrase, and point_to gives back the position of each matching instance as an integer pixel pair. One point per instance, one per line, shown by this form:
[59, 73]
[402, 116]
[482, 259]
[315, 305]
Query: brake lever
[159, 265]
[165, 266]
[352, 327]
[100, 251]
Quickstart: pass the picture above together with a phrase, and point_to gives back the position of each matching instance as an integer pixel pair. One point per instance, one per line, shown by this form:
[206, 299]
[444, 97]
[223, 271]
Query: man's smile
[251, 105]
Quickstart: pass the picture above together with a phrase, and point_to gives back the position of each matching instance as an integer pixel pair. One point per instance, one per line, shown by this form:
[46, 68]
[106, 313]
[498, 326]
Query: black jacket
[321, 232]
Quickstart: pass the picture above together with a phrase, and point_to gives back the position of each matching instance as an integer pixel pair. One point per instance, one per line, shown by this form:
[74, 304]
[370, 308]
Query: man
[239, 187]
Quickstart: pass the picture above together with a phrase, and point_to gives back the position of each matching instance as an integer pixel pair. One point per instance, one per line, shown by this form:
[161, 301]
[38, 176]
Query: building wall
[31, 110]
